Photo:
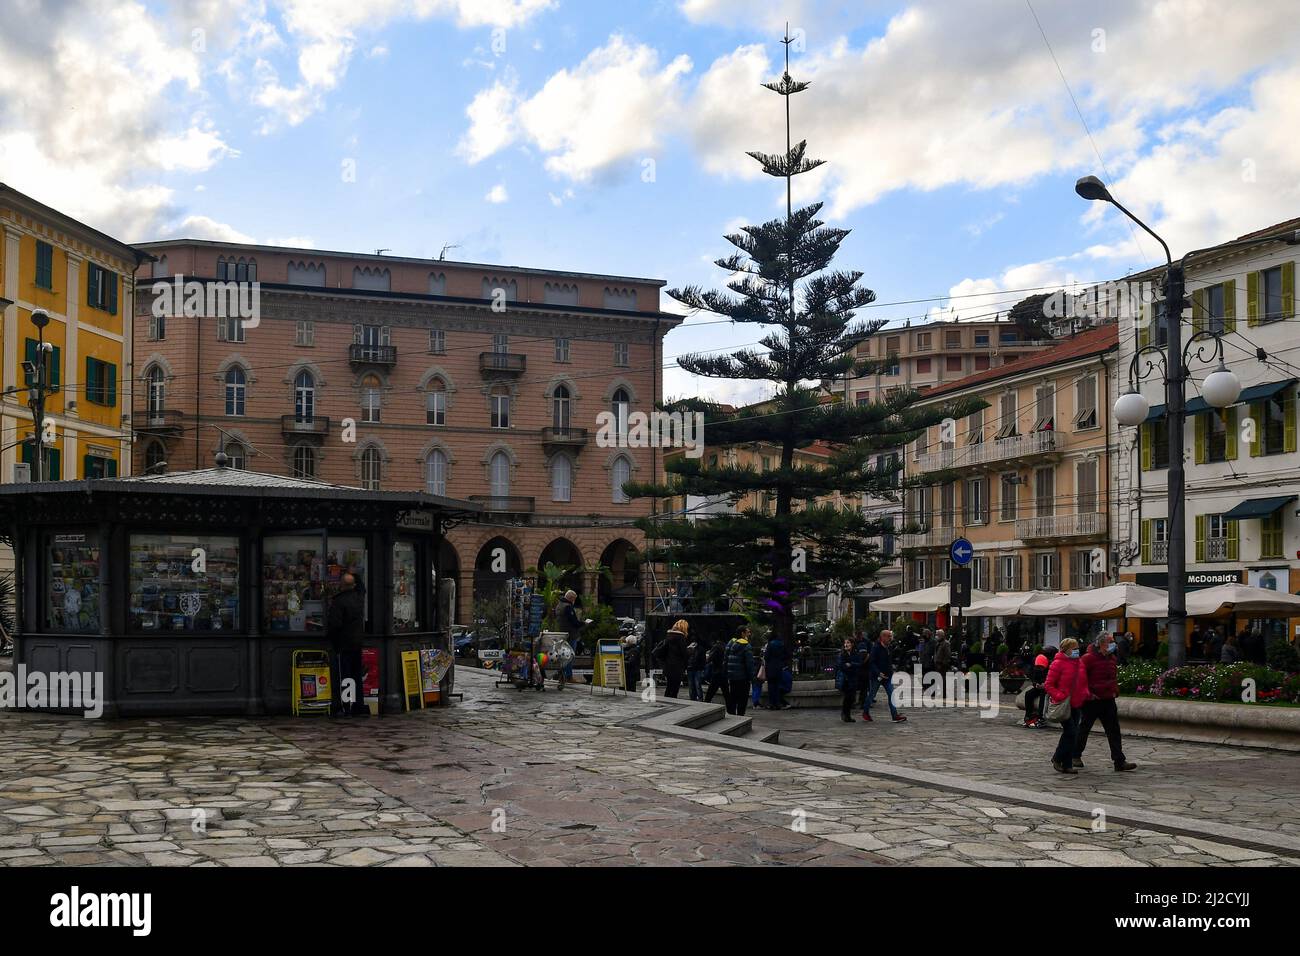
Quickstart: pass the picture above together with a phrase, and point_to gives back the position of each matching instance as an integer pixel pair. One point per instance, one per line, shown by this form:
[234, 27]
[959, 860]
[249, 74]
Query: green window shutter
[110, 467]
[1144, 326]
[1288, 427]
[44, 265]
[56, 464]
[56, 366]
[1144, 537]
[1252, 299]
[88, 466]
[1257, 413]
[1146, 438]
[92, 385]
[1230, 433]
[1233, 540]
[29, 355]
[112, 293]
[110, 384]
[1200, 321]
[27, 447]
[1202, 523]
[1288, 290]
[90, 284]
[1201, 429]
[1230, 305]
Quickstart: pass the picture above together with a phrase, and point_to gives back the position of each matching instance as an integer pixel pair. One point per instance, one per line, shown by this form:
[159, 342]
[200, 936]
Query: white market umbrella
[1111, 601]
[1010, 603]
[926, 600]
[1225, 599]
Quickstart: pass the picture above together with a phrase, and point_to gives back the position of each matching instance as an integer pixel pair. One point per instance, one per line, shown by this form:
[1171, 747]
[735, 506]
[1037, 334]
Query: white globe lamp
[1131, 409]
[1221, 387]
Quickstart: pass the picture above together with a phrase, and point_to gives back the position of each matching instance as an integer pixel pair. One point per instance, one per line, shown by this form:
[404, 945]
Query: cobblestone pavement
[1251, 787]
[566, 778]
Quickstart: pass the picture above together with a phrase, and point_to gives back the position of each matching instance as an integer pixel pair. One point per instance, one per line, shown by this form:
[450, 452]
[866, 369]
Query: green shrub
[1283, 656]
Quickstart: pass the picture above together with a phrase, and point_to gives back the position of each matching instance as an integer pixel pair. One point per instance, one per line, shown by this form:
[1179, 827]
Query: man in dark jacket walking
[881, 673]
[1103, 688]
[741, 669]
[850, 668]
[345, 627]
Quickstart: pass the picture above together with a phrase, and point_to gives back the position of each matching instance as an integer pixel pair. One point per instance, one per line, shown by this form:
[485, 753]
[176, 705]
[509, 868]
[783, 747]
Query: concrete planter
[1245, 725]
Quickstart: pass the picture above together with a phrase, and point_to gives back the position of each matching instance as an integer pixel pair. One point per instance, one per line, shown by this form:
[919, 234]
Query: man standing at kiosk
[345, 627]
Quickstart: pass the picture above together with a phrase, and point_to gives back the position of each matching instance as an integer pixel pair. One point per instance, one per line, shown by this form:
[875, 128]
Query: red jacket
[1067, 678]
[1103, 681]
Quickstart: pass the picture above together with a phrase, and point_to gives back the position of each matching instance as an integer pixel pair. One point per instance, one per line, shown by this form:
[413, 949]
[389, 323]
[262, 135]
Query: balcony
[165, 422]
[502, 363]
[1087, 525]
[505, 504]
[1218, 549]
[564, 437]
[1159, 552]
[989, 454]
[291, 426]
[359, 354]
[934, 538]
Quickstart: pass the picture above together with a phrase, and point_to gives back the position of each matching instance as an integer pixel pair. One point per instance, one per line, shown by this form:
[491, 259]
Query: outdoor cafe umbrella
[1224, 600]
[924, 600]
[1111, 601]
[1010, 603]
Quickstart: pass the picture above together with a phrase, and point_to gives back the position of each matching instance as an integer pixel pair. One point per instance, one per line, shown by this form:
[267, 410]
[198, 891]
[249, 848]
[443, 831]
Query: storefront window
[405, 599]
[72, 583]
[301, 574]
[184, 583]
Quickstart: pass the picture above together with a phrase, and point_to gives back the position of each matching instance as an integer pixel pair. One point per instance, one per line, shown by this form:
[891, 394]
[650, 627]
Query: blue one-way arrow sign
[961, 551]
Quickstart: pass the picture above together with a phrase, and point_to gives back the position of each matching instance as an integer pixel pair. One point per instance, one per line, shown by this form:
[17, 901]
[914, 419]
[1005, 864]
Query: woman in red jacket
[1066, 678]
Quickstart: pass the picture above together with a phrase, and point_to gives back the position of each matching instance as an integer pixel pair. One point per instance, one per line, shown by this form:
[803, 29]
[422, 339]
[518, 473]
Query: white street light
[1221, 387]
[1132, 408]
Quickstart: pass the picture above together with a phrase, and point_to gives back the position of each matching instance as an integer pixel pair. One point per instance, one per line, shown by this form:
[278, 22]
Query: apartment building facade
[1242, 479]
[1035, 473]
[80, 278]
[467, 380]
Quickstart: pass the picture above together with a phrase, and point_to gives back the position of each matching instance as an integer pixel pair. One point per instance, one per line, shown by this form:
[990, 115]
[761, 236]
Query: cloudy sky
[611, 137]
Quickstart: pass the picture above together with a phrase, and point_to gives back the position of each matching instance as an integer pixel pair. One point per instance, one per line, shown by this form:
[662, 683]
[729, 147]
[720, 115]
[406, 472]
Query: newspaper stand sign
[312, 692]
[412, 679]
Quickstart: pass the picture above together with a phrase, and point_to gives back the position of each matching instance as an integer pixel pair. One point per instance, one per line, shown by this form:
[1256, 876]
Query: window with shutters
[1045, 492]
[1216, 434]
[437, 341]
[101, 289]
[976, 502]
[44, 265]
[1270, 295]
[562, 350]
[981, 363]
[1085, 402]
[1155, 445]
[1155, 541]
[952, 363]
[975, 428]
[1009, 491]
[923, 366]
[1044, 408]
[1007, 426]
[920, 573]
[1008, 572]
[435, 403]
[304, 334]
[371, 399]
[1271, 534]
[980, 574]
[230, 329]
[435, 472]
[1216, 538]
[499, 402]
[947, 504]
[99, 466]
[952, 340]
[1046, 571]
[157, 328]
[923, 341]
[1082, 577]
[1085, 486]
[561, 478]
[621, 354]
[101, 382]
[1275, 416]
[1211, 315]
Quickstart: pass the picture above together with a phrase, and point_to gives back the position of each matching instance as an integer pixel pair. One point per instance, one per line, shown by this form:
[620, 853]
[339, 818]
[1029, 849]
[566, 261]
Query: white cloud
[558, 199]
[497, 194]
[609, 109]
[205, 227]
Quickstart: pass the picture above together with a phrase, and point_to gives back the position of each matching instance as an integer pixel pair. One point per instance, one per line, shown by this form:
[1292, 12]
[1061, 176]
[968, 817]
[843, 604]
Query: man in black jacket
[345, 627]
[715, 671]
[881, 672]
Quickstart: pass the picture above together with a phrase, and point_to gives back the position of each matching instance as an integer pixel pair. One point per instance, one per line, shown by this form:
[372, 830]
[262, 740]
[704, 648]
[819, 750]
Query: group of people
[1082, 688]
[730, 666]
[1220, 647]
[864, 666]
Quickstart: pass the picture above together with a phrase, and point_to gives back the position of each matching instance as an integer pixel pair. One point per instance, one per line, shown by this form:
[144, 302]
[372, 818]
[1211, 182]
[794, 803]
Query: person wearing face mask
[1067, 680]
[1103, 687]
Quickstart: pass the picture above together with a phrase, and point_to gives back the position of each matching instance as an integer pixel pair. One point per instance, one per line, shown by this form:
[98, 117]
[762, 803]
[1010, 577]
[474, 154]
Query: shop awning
[1194, 406]
[1258, 507]
[1259, 393]
[926, 600]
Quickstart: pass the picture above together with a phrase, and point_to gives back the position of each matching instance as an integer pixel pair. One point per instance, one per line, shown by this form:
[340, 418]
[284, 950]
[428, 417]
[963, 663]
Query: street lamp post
[40, 374]
[1220, 389]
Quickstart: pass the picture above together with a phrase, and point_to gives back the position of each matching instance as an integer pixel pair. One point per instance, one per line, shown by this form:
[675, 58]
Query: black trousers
[847, 697]
[1108, 713]
[674, 680]
[349, 667]
[715, 685]
[1035, 698]
[738, 697]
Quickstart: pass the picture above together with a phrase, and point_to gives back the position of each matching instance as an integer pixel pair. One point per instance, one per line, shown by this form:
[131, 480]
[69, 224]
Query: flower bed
[1221, 682]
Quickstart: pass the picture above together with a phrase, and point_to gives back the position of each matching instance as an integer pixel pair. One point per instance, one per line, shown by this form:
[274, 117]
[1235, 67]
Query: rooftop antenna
[380, 252]
[445, 246]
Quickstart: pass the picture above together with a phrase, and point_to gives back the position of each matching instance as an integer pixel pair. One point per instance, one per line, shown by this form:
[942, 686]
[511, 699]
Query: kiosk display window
[72, 592]
[405, 598]
[300, 575]
[183, 583]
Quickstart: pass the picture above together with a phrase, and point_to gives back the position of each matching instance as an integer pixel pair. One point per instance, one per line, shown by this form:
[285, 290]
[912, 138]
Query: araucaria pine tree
[782, 281]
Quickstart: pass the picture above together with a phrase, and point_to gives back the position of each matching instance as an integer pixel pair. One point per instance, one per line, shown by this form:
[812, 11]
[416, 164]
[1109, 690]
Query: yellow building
[81, 279]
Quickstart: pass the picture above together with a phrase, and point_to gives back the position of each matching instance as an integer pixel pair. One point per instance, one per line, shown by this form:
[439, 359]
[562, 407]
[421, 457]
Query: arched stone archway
[451, 602]
[565, 554]
[497, 561]
[622, 588]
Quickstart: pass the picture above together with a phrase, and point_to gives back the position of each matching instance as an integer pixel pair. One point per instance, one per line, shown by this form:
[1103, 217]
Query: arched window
[561, 406]
[241, 271]
[304, 397]
[370, 402]
[500, 406]
[500, 467]
[237, 455]
[435, 473]
[155, 458]
[157, 391]
[304, 462]
[620, 474]
[371, 469]
[236, 386]
[619, 405]
[223, 269]
[561, 479]
[435, 403]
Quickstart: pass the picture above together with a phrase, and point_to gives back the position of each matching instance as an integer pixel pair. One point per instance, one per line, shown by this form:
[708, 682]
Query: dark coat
[716, 666]
[775, 658]
[1103, 681]
[740, 661]
[569, 621]
[672, 653]
[345, 624]
[881, 664]
[850, 669]
[699, 656]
